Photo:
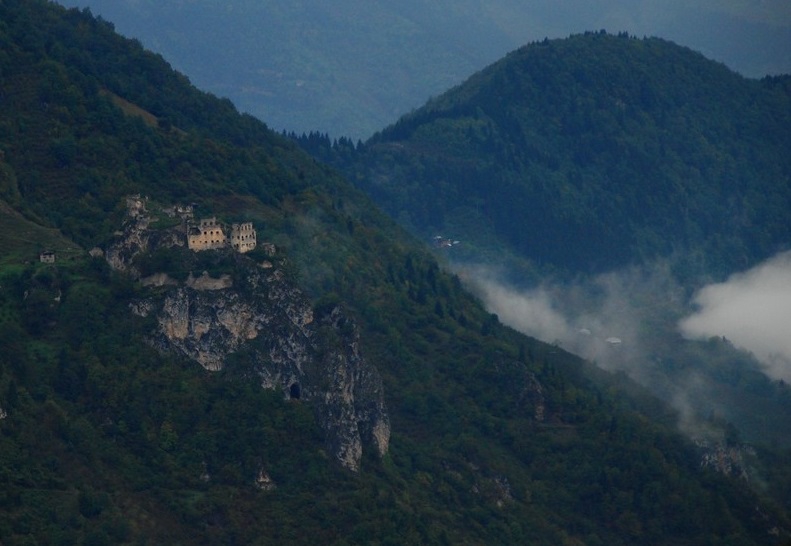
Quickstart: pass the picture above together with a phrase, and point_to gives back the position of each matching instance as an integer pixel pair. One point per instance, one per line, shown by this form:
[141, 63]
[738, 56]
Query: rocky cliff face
[263, 319]
[732, 460]
[137, 238]
[353, 394]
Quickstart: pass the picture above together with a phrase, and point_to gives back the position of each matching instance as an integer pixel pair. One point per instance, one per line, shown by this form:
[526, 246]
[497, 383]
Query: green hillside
[110, 435]
[604, 155]
[594, 152]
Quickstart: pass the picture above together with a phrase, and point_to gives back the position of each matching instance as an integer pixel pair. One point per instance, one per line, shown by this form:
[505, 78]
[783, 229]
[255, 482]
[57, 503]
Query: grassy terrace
[22, 240]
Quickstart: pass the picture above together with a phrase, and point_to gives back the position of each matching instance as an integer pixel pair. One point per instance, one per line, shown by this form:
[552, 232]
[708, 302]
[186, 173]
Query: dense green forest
[571, 160]
[591, 153]
[105, 439]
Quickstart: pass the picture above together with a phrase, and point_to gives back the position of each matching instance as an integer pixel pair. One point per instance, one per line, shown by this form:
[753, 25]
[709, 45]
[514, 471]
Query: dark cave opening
[295, 391]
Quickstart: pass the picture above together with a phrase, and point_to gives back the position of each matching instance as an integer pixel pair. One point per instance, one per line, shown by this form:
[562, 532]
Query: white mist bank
[598, 319]
[529, 312]
[753, 311]
[627, 321]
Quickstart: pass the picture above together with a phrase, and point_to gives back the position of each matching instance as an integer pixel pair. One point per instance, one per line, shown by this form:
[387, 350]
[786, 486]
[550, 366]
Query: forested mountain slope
[593, 152]
[111, 431]
[611, 177]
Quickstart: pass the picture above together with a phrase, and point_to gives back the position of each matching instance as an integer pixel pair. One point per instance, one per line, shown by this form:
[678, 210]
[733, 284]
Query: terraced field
[22, 240]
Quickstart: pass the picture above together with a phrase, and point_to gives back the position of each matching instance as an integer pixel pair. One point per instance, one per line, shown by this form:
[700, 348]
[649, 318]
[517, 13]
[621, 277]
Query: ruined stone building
[243, 237]
[210, 234]
[185, 212]
[206, 235]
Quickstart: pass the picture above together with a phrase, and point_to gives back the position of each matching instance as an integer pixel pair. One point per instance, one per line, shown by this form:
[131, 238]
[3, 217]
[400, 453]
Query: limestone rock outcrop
[259, 319]
[316, 361]
[137, 238]
[728, 459]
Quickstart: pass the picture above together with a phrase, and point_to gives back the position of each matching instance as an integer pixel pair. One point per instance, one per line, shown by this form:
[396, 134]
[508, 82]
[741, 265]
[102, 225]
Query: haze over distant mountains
[112, 433]
[349, 68]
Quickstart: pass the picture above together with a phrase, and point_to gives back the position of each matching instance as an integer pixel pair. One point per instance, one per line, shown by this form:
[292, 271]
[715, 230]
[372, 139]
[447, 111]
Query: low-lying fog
[753, 310]
[636, 320]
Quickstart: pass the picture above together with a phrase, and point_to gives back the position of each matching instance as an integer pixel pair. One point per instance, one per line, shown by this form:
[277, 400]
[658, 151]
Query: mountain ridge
[104, 439]
[350, 69]
[573, 139]
[600, 180]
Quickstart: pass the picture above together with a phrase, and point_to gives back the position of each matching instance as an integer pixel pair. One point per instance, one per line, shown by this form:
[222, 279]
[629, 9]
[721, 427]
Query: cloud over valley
[753, 311]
